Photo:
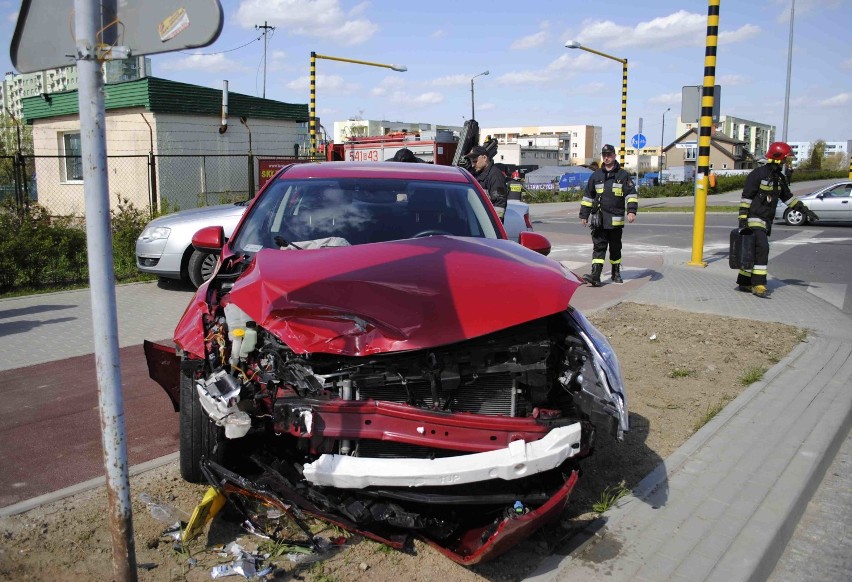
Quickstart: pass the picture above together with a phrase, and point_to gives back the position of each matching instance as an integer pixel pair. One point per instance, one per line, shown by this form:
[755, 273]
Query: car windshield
[341, 212]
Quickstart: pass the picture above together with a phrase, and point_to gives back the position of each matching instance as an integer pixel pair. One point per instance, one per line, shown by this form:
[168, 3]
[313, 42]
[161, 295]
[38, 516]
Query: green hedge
[40, 252]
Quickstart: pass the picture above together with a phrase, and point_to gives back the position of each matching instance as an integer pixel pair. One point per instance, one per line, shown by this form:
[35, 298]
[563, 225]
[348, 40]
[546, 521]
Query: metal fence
[155, 183]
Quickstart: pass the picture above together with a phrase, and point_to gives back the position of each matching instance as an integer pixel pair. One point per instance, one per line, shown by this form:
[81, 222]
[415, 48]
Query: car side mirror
[535, 242]
[209, 239]
[820, 196]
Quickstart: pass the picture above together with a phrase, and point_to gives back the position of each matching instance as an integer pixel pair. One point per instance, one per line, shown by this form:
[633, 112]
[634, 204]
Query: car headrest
[427, 200]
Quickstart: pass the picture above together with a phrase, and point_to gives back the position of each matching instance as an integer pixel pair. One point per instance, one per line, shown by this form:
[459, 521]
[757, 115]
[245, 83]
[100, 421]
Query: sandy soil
[679, 367]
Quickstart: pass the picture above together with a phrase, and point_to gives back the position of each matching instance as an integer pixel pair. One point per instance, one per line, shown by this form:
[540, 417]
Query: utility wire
[223, 52]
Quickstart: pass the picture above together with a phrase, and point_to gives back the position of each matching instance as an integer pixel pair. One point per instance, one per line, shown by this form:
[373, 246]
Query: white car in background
[832, 203]
[165, 246]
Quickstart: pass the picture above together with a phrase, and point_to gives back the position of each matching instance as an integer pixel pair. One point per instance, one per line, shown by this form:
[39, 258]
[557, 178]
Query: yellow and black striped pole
[707, 96]
[313, 107]
[622, 154]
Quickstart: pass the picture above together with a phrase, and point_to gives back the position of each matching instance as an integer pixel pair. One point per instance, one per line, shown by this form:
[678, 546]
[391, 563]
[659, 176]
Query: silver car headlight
[607, 361]
[155, 233]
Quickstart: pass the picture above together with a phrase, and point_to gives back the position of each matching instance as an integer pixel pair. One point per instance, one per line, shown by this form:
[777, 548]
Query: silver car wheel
[794, 217]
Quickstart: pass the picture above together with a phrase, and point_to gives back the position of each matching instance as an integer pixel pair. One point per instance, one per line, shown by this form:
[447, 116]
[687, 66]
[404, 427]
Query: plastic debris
[653, 337]
[162, 511]
[244, 566]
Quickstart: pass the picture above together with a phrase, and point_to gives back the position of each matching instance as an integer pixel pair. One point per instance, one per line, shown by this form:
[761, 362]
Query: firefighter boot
[616, 274]
[760, 291]
[594, 278]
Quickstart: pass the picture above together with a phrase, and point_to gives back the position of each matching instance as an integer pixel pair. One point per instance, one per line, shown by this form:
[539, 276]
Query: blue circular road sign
[638, 141]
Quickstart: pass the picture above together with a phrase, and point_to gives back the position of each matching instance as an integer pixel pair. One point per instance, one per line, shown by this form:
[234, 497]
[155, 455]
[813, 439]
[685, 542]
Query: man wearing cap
[490, 178]
[610, 190]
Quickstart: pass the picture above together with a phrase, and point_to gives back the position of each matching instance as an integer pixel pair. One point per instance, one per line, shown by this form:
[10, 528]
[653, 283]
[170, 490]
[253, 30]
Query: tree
[836, 161]
[817, 152]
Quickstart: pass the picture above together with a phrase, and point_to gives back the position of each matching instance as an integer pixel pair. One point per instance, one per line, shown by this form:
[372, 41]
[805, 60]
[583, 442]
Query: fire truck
[437, 147]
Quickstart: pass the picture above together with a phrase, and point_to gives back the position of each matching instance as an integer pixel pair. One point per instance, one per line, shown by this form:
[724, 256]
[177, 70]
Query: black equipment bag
[741, 254]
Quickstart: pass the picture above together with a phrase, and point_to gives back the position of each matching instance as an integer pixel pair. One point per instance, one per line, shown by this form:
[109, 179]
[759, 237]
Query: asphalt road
[816, 256]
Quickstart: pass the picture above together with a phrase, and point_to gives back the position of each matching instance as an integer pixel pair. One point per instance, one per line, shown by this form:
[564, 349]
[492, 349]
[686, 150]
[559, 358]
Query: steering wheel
[431, 232]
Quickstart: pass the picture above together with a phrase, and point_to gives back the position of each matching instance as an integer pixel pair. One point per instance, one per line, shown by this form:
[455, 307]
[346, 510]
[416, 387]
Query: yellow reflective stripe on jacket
[586, 202]
[633, 199]
[617, 221]
[756, 223]
[617, 189]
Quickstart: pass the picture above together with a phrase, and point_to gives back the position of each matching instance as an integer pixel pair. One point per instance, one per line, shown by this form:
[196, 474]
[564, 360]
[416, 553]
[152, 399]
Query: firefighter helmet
[779, 151]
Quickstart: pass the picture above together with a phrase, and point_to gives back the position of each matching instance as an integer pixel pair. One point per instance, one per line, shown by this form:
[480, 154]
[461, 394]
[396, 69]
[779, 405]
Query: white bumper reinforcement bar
[519, 459]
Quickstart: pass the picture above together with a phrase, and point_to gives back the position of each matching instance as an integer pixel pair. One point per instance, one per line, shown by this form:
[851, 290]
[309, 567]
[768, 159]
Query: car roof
[388, 170]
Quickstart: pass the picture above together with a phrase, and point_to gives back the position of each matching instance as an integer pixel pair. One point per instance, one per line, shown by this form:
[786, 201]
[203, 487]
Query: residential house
[725, 153]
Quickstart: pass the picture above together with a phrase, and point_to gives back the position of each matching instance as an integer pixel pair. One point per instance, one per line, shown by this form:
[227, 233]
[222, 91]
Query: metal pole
[623, 111]
[472, 115]
[87, 17]
[707, 96]
[313, 105]
[789, 70]
[265, 28]
[662, 145]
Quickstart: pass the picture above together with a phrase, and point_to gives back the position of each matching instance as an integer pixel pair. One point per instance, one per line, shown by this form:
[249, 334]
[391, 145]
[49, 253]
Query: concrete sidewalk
[725, 504]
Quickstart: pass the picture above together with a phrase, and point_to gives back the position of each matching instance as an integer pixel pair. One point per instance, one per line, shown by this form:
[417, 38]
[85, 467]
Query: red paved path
[50, 425]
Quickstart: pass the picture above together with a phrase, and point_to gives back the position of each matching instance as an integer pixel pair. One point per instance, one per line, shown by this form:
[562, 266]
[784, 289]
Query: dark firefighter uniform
[616, 193]
[764, 186]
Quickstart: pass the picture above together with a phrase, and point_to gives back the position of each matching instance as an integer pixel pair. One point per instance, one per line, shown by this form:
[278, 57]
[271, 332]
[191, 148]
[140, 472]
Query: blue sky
[533, 79]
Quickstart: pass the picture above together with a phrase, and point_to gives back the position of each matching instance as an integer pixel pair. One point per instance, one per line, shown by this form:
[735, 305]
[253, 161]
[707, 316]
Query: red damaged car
[398, 364]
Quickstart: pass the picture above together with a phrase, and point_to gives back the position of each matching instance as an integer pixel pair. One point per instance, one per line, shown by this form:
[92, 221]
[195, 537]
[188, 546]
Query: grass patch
[610, 497]
[731, 209]
[752, 375]
[680, 373]
[711, 412]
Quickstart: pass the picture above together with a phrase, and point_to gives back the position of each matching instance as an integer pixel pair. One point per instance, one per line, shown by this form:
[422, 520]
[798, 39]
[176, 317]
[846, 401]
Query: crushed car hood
[391, 296]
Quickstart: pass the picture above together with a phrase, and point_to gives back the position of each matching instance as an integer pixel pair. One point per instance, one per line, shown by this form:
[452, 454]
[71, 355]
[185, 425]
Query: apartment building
[42, 83]
[802, 149]
[582, 143]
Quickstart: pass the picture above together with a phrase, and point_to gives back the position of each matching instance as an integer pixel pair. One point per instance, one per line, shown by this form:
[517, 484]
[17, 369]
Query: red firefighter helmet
[779, 151]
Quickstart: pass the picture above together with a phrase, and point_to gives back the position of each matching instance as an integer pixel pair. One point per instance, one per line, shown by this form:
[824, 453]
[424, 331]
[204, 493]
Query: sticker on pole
[44, 40]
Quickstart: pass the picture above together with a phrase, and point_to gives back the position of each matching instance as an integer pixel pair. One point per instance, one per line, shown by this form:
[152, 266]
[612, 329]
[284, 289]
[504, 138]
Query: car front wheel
[795, 217]
[200, 438]
[200, 267]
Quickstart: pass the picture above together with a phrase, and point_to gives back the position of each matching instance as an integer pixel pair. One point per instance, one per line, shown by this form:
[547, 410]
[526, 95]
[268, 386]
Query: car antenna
[281, 242]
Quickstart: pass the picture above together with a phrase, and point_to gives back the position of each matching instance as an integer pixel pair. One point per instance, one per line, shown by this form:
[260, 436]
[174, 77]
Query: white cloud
[451, 80]
[837, 100]
[744, 32]
[417, 101]
[12, 17]
[211, 63]
[439, 34]
[665, 99]
[847, 64]
[680, 28]
[531, 41]
[525, 78]
[323, 82]
[588, 88]
[732, 80]
[323, 19]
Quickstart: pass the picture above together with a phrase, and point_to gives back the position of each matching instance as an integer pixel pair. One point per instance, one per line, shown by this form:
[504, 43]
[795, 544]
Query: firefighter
[490, 178]
[763, 187]
[610, 190]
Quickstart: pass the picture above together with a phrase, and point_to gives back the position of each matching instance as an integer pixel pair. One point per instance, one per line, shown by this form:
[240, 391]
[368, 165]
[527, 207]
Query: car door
[836, 203]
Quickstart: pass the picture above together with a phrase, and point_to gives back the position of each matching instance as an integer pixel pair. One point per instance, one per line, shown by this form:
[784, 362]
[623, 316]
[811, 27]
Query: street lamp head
[573, 44]
[399, 68]
[486, 72]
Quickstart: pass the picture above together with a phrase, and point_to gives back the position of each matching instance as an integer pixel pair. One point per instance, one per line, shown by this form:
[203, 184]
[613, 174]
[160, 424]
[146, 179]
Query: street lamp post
[472, 115]
[662, 144]
[313, 104]
[573, 44]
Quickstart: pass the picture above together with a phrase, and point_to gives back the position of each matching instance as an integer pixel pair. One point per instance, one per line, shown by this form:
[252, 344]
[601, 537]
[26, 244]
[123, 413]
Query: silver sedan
[832, 203]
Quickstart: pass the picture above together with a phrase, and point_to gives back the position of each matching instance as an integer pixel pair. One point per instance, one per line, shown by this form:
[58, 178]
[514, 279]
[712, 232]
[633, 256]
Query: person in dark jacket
[764, 186]
[610, 190]
[490, 178]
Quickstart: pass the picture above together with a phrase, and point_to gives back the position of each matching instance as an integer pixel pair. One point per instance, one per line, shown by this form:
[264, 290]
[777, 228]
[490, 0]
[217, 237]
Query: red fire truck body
[436, 147]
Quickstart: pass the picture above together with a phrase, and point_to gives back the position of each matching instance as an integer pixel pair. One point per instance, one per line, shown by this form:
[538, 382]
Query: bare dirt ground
[679, 368]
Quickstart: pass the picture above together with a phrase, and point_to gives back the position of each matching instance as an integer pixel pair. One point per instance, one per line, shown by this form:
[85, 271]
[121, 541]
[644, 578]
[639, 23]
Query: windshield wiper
[282, 242]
